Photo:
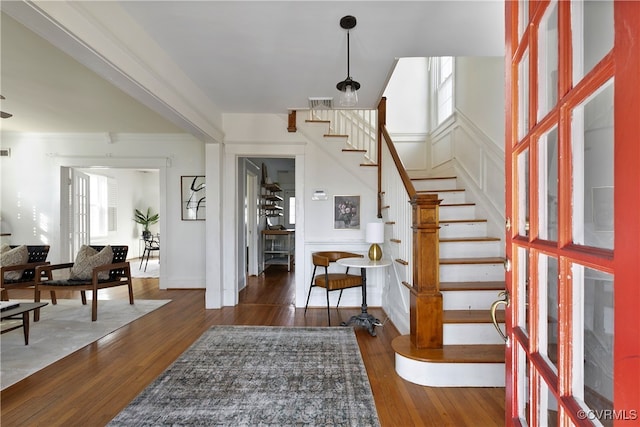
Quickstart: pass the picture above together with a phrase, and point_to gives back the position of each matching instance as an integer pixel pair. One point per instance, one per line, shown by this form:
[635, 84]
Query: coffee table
[21, 312]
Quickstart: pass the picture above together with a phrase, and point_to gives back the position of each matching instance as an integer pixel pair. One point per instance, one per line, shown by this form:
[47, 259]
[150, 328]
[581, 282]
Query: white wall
[30, 199]
[407, 110]
[317, 166]
[479, 94]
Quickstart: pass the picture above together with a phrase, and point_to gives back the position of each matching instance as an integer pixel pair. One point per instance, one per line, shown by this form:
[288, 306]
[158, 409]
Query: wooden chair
[332, 281]
[119, 275]
[37, 257]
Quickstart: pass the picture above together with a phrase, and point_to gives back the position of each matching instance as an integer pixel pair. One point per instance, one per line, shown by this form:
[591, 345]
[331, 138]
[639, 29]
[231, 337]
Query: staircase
[471, 276]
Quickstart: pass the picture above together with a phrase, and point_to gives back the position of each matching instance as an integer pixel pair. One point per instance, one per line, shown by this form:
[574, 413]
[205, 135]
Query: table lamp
[374, 235]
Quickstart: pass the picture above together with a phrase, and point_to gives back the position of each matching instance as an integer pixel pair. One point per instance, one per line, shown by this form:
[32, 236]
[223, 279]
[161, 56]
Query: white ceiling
[241, 56]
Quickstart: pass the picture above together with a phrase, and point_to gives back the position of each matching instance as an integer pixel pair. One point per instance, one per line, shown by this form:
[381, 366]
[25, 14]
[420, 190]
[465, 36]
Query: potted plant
[146, 220]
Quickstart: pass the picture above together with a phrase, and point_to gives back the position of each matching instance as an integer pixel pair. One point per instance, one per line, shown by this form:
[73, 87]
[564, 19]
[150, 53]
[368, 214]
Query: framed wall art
[193, 198]
[346, 212]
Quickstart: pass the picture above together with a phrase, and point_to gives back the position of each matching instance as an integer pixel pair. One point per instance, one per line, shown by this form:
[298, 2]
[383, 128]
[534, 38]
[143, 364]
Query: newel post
[426, 299]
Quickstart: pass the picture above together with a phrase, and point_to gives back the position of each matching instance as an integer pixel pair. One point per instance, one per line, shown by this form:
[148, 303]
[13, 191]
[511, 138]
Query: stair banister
[426, 309]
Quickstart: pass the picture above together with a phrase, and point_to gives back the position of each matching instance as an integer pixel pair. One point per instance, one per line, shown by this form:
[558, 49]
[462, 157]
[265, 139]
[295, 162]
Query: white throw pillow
[87, 259]
[15, 256]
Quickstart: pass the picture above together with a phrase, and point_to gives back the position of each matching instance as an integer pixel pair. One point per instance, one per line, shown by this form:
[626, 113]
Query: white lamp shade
[375, 232]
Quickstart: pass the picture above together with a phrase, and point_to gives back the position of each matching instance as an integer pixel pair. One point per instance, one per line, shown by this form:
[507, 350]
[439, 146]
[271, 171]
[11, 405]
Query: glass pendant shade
[348, 97]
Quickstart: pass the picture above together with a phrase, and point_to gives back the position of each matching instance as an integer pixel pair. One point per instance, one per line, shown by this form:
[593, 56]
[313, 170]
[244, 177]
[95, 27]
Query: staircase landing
[452, 365]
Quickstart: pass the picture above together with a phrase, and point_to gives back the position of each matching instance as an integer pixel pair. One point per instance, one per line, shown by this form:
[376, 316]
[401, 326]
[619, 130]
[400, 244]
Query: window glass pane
[597, 339]
[292, 210]
[523, 289]
[592, 33]
[523, 96]
[523, 387]
[523, 17]
[446, 67]
[523, 193]
[548, 306]
[548, 61]
[593, 145]
[548, 186]
[547, 406]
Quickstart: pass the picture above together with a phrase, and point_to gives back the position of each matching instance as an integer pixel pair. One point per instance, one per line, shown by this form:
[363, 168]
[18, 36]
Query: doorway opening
[268, 205]
[102, 202]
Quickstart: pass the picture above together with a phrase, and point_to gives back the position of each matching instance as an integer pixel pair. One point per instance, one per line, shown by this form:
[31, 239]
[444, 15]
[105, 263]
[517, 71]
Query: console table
[364, 319]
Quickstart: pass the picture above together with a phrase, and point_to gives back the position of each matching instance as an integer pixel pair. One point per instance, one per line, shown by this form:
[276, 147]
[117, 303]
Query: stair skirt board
[470, 334]
[445, 374]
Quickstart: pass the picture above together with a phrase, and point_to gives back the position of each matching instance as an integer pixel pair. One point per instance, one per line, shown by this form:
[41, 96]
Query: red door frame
[624, 262]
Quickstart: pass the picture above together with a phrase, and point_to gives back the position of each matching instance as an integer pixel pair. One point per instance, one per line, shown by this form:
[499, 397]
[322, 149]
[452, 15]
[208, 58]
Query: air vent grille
[5, 152]
[320, 103]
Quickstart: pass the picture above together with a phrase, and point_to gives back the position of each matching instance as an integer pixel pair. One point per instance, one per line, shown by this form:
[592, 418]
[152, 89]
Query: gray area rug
[63, 328]
[260, 376]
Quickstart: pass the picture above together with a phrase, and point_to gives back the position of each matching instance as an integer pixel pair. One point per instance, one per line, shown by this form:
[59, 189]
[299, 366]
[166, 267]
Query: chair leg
[339, 296]
[310, 287]
[94, 306]
[36, 298]
[83, 297]
[147, 263]
[328, 308]
[142, 259]
[308, 296]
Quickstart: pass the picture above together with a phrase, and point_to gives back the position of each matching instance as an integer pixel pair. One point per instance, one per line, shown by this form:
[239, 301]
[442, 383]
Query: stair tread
[427, 178]
[453, 205]
[469, 239]
[335, 135]
[472, 286]
[450, 190]
[463, 220]
[485, 260]
[475, 353]
[470, 316]
[353, 150]
[317, 121]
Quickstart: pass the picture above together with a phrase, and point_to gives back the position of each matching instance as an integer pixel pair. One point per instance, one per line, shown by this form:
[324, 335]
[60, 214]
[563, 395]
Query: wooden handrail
[408, 185]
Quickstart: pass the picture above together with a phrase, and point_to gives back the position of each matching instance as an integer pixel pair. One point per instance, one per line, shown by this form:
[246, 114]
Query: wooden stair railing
[426, 310]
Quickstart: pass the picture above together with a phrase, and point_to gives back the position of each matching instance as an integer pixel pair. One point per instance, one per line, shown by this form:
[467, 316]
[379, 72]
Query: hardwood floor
[90, 386]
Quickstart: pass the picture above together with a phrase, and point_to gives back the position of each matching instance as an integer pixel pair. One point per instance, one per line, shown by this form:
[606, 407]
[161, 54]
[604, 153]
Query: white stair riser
[462, 229]
[452, 197]
[470, 249]
[435, 184]
[457, 212]
[471, 272]
[450, 374]
[471, 333]
[468, 300]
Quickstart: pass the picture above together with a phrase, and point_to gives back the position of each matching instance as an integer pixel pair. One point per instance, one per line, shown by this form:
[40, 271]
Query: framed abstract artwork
[346, 212]
[193, 198]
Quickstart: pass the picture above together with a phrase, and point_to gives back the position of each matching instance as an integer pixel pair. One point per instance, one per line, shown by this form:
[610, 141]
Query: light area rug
[64, 328]
[260, 376]
[153, 268]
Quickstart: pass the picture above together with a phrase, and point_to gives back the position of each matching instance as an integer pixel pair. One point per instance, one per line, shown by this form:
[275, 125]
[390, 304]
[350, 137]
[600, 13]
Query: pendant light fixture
[348, 87]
